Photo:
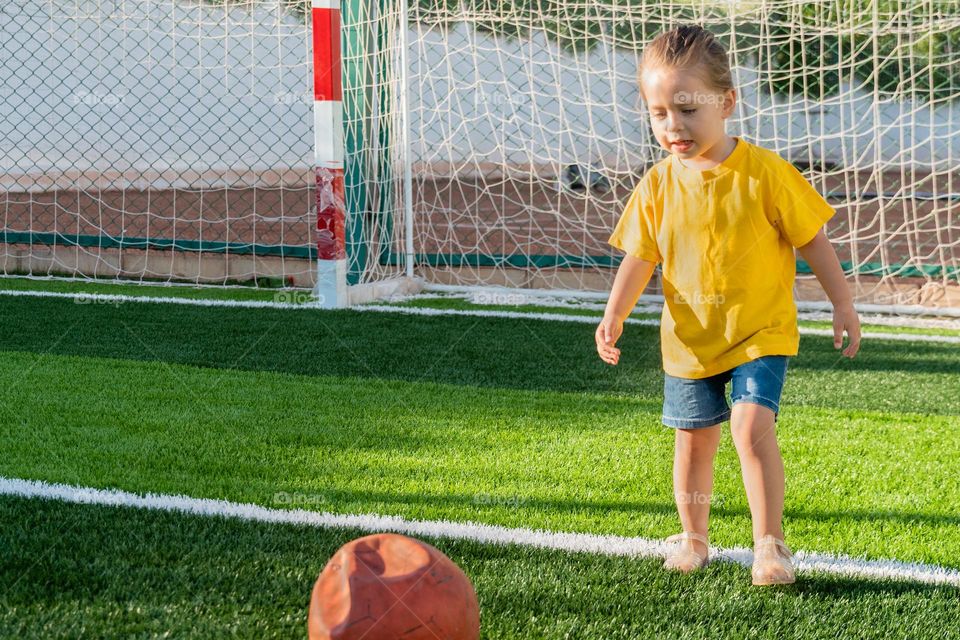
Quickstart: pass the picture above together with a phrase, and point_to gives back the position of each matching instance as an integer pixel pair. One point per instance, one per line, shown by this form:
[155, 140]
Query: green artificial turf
[501, 421]
[563, 461]
[493, 352]
[92, 571]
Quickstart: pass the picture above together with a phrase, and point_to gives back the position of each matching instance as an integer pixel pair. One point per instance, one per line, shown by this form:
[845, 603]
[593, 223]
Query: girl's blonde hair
[689, 48]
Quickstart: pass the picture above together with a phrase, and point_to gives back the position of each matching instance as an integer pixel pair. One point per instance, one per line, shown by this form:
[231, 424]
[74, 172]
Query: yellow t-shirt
[725, 238]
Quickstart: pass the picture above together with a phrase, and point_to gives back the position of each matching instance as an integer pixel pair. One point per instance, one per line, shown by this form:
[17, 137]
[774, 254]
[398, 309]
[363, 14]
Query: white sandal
[772, 562]
[683, 558]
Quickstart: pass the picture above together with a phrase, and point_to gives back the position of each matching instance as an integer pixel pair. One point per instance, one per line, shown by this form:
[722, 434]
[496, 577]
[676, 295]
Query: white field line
[912, 321]
[878, 335]
[115, 299]
[572, 294]
[573, 542]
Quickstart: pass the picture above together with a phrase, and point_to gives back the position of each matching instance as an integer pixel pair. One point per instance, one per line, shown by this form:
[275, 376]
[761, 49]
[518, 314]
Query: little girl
[722, 216]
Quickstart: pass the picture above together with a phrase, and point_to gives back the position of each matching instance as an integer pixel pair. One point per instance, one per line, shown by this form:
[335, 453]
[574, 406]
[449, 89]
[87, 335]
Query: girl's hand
[607, 334]
[845, 318]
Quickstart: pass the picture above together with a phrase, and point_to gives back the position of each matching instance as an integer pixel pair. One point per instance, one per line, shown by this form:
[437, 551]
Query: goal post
[331, 286]
[350, 44]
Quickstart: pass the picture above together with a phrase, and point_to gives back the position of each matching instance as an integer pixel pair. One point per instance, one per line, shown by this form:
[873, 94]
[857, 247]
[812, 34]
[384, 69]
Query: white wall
[159, 85]
[152, 85]
[523, 102]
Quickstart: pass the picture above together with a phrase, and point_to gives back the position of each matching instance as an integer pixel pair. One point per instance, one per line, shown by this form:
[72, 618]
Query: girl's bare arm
[822, 258]
[631, 279]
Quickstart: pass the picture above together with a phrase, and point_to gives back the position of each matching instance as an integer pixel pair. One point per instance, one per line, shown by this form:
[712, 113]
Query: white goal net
[173, 139]
[527, 132]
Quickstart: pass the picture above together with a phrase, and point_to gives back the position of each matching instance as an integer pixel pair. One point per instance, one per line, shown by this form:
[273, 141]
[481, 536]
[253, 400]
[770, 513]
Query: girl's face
[686, 114]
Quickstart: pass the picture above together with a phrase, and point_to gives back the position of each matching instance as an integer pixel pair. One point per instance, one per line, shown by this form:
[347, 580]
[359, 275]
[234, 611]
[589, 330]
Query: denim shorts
[697, 403]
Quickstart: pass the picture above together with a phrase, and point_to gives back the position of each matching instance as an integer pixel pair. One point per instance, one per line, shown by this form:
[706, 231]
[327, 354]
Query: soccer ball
[387, 586]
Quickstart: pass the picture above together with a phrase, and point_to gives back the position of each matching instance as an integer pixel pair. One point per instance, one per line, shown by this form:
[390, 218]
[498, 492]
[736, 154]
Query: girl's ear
[729, 102]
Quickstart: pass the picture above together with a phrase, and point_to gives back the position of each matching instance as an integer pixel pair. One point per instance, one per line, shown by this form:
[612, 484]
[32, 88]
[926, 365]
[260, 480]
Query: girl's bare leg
[754, 435]
[694, 453]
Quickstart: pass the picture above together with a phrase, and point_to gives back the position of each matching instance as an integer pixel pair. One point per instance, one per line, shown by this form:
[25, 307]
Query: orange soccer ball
[387, 586]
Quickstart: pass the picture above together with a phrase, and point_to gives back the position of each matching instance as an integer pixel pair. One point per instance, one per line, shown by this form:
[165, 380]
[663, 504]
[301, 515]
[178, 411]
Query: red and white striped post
[331, 287]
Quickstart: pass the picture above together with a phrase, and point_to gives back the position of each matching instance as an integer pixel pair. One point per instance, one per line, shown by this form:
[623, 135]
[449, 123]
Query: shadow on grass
[459, 350]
